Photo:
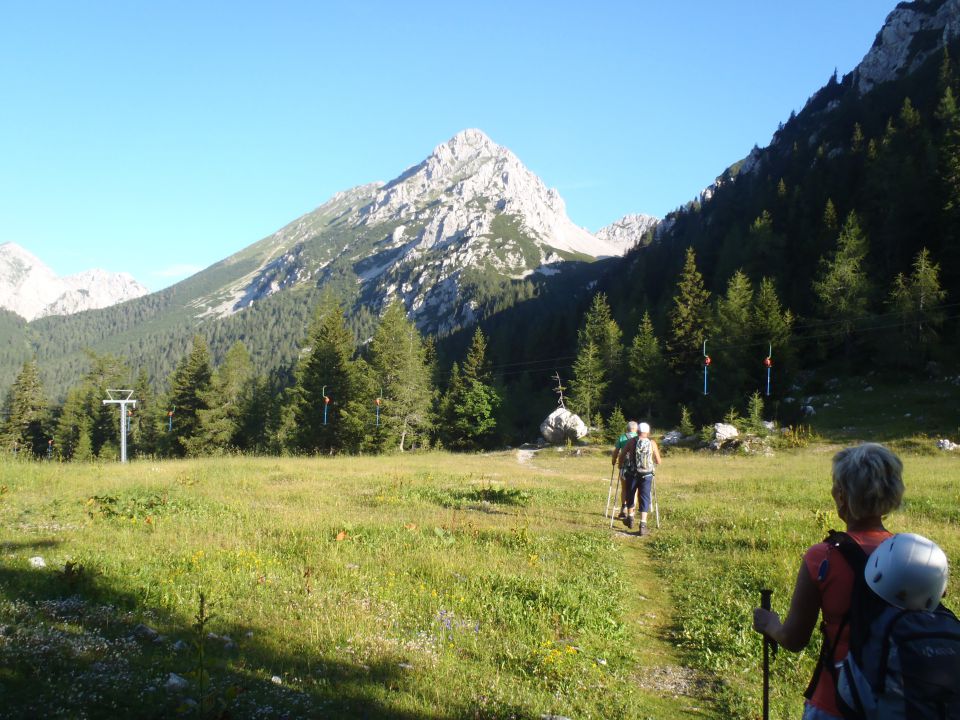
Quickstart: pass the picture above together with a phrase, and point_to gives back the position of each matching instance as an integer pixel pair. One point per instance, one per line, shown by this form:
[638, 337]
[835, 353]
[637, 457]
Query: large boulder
[672, 438]
[562, 425]
[722, 434]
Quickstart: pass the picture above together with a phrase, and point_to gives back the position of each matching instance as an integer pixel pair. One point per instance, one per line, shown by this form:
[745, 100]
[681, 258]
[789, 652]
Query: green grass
[887, 409]
[421, 586]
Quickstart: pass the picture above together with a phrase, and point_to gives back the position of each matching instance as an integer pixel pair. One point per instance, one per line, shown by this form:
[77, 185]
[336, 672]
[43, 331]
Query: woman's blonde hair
[869, 475]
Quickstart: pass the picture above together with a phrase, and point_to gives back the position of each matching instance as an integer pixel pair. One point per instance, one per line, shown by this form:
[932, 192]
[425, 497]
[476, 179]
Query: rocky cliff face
[31, 289]
[470, 215]
[627, 232]
[911, 33]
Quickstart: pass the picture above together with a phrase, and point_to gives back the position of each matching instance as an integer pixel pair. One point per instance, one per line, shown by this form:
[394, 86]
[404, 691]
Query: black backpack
[902, 664]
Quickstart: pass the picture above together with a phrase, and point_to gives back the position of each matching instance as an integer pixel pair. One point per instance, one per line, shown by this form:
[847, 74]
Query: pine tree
[329, 371]
[917, 300]
[25, 431]
[399, 364]
[189, 386]
[856, 140]
[589, 381]
[145, 428]
[765, 247]
[689, 322]
[830, 217]
[468, 408]
[598, 363]
[842, 285]
[616, 425]
[645, 367]
[219, 422]
[602, 330]
[771, 325]
[734, 337]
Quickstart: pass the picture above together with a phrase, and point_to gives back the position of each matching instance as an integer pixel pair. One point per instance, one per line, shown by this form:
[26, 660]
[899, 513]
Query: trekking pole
[767, 643]
[656, 502]
[613, 515]
[613, 471]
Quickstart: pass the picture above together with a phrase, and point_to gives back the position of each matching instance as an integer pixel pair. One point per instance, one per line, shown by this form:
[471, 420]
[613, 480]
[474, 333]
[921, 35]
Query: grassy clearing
[424, 586]
[435, 585]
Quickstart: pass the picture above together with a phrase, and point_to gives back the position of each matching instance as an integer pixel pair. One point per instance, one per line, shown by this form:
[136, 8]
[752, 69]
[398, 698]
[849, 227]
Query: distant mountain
[466, 233]
[468, 215]
[629, 231]
[32, 290]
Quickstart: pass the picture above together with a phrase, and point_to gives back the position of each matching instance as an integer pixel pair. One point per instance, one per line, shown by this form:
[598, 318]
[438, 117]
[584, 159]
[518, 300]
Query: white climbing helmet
[908, 571]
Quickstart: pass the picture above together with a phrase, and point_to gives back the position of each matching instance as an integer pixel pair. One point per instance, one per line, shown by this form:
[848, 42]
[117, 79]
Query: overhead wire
[521, 367]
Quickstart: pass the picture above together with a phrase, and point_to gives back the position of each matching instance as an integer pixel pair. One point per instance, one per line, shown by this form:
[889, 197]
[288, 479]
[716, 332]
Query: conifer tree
[219, 422]
[468, 408]
[25, 430]
[917, 299]
[734, 336]
[645, 368]
[84, 419]
[602, 330]
[598, 361]
[329, 371]
[764, 248]
[189, 388]
[616, 425]
[771, 325]
[842, 285]
[399, 364]
[73, 426]
[689, 322]
[589, 381]
[830, 217]
[145, 428]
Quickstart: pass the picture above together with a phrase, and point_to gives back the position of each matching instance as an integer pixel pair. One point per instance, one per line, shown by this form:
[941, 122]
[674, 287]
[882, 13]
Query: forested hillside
[835, 249]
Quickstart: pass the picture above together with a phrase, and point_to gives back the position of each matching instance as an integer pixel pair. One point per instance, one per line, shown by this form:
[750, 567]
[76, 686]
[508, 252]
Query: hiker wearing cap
[867, 485]
[639, 458]
[615, 460]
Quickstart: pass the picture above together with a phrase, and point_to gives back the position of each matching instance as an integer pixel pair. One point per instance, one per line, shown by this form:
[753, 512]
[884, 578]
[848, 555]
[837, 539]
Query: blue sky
[160, 137]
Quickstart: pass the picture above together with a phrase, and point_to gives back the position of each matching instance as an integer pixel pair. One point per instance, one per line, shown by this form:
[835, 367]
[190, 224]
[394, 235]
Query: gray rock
[945, 444]
[175, 683]
[894, 54]
[808, 411]
[562, 425]
[144, 632]
[674, 437]
[180, 646]
[722, 434]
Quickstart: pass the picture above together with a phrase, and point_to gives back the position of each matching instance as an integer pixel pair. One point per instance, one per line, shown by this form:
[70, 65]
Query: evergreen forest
[836, 247]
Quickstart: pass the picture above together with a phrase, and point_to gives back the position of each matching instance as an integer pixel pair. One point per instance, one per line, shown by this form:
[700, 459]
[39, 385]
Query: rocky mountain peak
[464, 147]
[627, 232]
[469, 216]
[32, 290]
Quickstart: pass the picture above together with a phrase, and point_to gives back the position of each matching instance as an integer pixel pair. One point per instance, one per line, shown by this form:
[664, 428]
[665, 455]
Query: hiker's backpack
[639, 460]
[901, 664]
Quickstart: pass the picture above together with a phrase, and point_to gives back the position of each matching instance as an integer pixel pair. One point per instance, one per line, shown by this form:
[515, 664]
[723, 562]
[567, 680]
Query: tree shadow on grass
[73, 645]
[38, 544]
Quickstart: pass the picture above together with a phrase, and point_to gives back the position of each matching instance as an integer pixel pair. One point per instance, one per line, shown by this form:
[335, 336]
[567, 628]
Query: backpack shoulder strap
[856, 558]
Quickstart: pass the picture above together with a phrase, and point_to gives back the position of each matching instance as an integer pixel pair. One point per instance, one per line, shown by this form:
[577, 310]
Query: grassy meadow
[417, 586]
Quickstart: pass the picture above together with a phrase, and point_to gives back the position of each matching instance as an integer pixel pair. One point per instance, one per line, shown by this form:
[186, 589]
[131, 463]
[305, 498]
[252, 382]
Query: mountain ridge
[32, 290]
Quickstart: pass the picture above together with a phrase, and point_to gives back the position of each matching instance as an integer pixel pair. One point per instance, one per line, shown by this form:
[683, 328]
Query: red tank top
[834, 578]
